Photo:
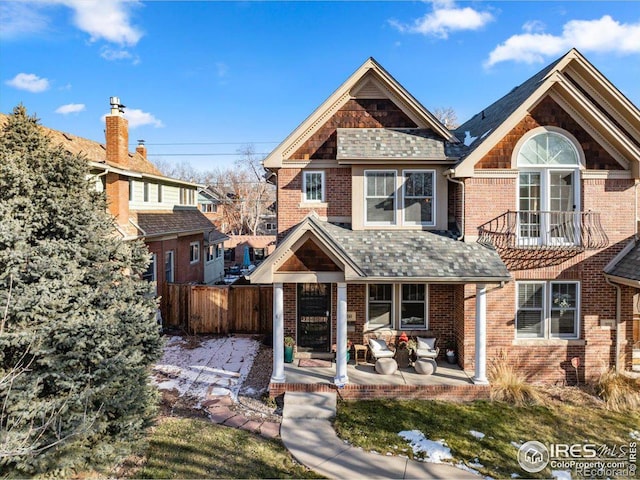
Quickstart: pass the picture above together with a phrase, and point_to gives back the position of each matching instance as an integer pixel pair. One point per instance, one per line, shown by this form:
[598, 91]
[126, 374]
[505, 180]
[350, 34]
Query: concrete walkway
[308, 434]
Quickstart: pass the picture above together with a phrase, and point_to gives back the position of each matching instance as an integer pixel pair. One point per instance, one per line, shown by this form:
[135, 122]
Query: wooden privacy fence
[218, 309]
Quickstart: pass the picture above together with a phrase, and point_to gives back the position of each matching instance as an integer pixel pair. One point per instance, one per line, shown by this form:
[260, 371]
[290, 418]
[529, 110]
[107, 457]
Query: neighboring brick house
[515, 234]
[184, 245]
[259, 247]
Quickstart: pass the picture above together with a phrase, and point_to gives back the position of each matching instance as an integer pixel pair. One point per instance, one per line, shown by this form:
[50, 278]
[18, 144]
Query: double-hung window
[380, 311]
[146, 191]
[194, 252]
[210, 253]
[413, 313]
[547, 309]
[380, 197]
[418, 197]
[313, 186]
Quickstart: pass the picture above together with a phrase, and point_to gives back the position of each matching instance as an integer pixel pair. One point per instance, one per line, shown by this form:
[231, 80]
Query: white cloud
[604, 35]
[444, 19]
[70, 108]
[533, 26]
[108, 20]
[138, 118]
[20, 19]
[29, 82]
[115, 55]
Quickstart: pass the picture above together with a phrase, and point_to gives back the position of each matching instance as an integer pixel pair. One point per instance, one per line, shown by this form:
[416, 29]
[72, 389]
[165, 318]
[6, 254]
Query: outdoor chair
[427, 348]
[378, 349]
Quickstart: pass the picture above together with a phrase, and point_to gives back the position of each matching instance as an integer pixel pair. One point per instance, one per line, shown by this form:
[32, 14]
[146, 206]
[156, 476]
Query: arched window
[548, 149]
[548, 189]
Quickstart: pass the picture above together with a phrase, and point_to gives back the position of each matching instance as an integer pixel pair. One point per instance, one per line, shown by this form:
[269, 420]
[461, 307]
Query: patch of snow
[466, 468]
[515, 475]
[516, 444]
[218, 366]
[561, 474]
[476, 464]
[468, 139]
[435, 451]
[478, 435]
[635, 434]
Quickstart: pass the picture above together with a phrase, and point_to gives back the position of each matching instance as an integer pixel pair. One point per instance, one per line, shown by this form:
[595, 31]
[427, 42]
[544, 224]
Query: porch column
[480, 376]
[341, 337]
[277, 374]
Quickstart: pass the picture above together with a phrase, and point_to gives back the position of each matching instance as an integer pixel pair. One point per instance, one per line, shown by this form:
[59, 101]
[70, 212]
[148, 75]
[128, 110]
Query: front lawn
[196, 448]
[374, 425]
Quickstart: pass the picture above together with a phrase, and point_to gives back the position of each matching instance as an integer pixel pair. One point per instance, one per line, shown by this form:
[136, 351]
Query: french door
[548, 208]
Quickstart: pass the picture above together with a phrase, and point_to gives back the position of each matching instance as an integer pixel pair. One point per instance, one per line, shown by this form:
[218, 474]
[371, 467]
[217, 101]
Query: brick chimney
[141, 149]
[117, 134]
[117, 188]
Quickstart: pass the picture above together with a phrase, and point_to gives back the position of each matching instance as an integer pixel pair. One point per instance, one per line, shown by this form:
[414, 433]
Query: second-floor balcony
[544, 230]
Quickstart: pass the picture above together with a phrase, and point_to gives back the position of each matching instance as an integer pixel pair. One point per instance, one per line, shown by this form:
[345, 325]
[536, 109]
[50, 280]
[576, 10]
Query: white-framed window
[187, 196]
[210, 253]
[418, 197]
[208, 208]
[219, 250]
[194, 252]
[380, 197]
[159, 193]
[548, 309]
[380, 305]
[414, 306]
[150, 274]
[269, 226]
[168, 267]
[145, 191]
[548, 189]
[313, 186]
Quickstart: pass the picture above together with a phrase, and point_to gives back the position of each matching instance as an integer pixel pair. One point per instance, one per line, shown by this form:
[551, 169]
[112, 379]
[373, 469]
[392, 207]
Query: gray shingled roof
[415, 253]
[391, 143]
[628, 266]
[486, 121]
[179, 220]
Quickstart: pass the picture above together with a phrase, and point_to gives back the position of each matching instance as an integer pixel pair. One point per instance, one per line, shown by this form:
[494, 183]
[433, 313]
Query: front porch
[449, 382]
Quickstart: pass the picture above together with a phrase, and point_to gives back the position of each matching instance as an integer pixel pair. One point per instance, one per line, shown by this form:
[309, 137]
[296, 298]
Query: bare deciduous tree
[447, 116]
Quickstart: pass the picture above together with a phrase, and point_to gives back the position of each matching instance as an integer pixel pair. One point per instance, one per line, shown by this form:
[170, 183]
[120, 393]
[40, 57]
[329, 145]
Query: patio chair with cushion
[427, 348]
[378, 349]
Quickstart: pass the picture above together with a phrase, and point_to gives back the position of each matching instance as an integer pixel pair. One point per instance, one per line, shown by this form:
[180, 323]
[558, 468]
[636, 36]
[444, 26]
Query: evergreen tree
[78, 330]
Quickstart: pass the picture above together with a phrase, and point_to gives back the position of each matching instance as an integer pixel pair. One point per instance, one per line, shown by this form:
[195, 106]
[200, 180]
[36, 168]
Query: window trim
[145, 191]
[546, 310]
[367, 223]
[159, 192]
[426, 307]
[210, 253]
[368, 324]
[154, 270]
[194, 258]
[173, 274]
[304, 186]
[433, 197]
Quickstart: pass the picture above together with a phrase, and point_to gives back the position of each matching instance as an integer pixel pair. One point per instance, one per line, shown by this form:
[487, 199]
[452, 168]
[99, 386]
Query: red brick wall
[289, 193]
[117, 140]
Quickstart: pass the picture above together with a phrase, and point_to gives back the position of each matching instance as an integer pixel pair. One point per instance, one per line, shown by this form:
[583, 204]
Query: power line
[199, 154]
[207, 143]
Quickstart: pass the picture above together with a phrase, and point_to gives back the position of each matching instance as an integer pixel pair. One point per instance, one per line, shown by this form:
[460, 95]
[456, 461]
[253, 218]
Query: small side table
[402, 357]
[360, 348]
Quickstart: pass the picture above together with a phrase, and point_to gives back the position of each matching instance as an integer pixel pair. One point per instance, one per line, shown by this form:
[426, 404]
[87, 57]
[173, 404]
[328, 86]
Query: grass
[196, 448]
[374, 425]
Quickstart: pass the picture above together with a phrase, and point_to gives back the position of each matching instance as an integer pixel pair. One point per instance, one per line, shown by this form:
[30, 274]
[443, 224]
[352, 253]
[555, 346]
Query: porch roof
[417, 254]
[389, 255]
[627, 267]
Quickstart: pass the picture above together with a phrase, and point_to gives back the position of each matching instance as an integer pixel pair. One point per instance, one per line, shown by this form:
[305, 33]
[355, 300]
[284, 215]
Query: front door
[314, 317]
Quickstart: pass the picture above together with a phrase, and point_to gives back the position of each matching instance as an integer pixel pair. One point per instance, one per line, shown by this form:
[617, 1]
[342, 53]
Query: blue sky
[204, 78]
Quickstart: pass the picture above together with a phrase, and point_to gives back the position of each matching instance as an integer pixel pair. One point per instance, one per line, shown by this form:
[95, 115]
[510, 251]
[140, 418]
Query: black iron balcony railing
[539, 230]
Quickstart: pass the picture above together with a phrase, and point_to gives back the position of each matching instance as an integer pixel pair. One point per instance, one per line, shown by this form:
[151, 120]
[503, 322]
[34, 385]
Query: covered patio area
[449, 382]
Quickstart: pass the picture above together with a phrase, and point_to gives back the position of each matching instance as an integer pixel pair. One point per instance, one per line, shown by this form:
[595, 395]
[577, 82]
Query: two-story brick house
[495, 238]
[162, 211]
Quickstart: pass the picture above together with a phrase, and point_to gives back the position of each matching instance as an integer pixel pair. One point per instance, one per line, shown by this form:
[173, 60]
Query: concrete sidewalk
[308, 434]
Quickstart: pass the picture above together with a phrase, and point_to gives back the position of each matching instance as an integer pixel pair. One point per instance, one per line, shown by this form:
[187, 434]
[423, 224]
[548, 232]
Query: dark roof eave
[449, 280]
[177, 232]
